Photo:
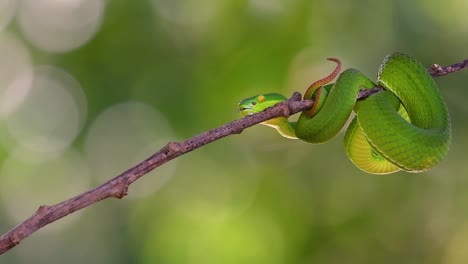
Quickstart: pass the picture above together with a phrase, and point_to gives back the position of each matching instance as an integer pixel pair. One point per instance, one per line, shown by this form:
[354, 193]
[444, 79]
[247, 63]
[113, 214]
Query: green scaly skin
[259, 103]
[405, 127]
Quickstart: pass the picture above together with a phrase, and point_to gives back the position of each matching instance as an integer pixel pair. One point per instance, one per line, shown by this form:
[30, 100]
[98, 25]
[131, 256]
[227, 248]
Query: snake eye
[261, 98]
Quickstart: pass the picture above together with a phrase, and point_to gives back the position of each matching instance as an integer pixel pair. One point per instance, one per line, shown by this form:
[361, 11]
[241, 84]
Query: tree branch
[436, 70]
[118, 186]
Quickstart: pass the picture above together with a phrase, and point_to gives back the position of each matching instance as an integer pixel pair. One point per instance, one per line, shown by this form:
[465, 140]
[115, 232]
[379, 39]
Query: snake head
[258, 103]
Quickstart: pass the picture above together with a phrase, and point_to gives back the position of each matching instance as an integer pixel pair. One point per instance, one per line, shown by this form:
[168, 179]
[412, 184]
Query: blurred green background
[90, 87]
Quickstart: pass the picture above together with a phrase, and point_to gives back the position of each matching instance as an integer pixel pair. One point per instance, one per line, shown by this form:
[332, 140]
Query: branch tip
[296, 96]
[42, 209]
[15, 240]
[172, 147]
[120, 191]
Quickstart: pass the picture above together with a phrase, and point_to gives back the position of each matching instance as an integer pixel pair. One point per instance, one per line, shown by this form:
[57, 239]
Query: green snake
[406, 126]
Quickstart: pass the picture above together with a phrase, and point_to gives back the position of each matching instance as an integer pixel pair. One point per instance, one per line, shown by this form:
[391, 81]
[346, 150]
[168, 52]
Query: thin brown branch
[436, 70]
[118, 186]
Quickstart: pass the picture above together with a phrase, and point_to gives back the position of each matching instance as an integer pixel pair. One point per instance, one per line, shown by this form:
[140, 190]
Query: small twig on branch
[118, 186]
[436, 70]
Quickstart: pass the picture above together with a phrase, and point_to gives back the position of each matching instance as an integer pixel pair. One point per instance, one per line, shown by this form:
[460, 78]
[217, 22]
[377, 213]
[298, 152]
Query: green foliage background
[256, 197]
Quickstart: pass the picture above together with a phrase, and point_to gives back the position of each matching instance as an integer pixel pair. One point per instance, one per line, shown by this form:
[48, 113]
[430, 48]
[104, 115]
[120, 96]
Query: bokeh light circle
[60, 26]
[195, 14]
[123, 135]
[198, 193]
[7, 12]
[26, 184]
[50, 113]
[210, 188]
[15, 70]
[267, 7]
